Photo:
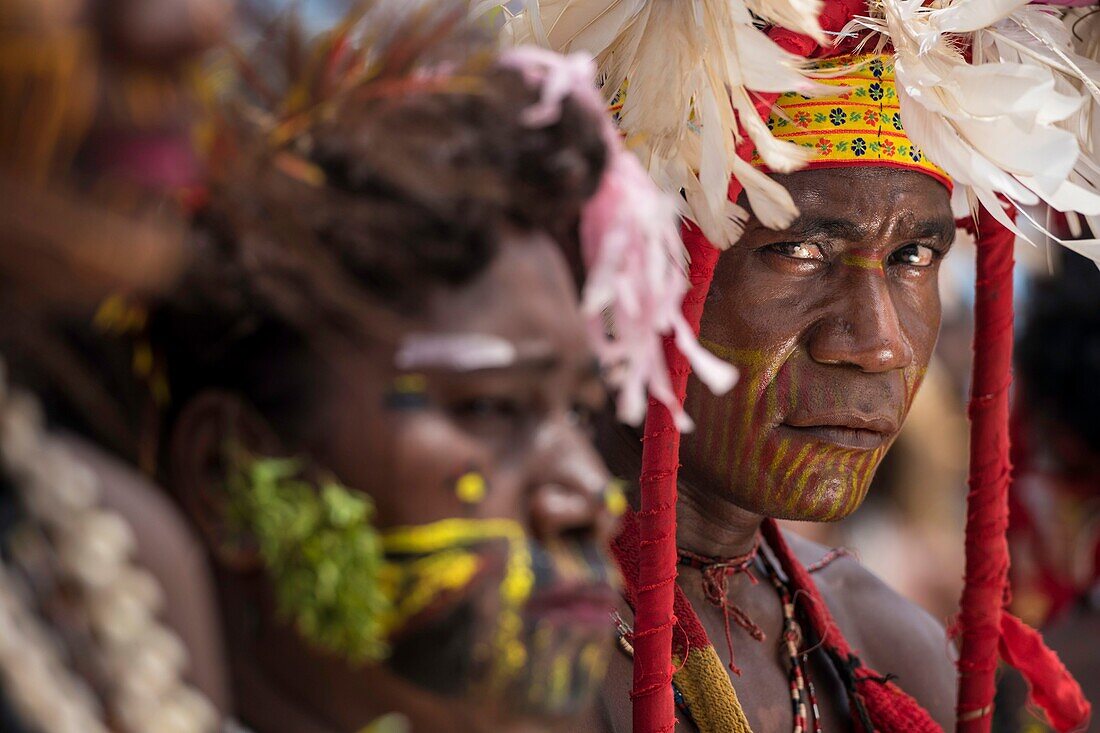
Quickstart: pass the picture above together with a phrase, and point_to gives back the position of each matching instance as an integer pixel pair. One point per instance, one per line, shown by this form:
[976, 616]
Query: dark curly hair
[403, 192]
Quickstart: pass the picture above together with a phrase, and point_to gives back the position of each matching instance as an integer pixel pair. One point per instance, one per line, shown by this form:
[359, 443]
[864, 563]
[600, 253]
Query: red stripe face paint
[778, 443]
[831, 323]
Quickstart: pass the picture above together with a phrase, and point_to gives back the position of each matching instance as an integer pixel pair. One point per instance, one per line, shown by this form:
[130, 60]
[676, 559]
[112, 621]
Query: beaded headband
[859, 125]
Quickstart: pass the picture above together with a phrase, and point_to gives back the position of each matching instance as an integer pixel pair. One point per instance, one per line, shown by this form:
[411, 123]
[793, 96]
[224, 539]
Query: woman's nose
[571, 490]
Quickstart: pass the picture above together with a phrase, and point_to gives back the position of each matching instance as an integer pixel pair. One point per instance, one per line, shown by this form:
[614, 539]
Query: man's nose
[569, 487]
[862, 328]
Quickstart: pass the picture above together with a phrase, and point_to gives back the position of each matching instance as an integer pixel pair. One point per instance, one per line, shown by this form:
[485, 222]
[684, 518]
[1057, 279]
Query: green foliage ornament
[321, 551]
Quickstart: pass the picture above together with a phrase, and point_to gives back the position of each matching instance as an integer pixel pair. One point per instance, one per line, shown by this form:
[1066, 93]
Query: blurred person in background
[1055, 535]
[97, 168]
[370, 392]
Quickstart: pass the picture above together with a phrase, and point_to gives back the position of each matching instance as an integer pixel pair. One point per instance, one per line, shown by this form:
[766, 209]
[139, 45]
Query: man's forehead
[879, 183]
[859, 202]
[524, 294]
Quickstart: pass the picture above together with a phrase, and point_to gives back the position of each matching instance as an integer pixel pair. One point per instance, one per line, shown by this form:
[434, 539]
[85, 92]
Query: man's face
[832, 323]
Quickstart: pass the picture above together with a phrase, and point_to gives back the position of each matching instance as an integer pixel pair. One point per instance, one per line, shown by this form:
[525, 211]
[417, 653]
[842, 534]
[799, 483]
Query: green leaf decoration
[321, 551]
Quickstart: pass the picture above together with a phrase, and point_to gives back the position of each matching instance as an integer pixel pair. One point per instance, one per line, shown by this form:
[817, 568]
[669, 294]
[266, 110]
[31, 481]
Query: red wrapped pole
[653, 710]
[988, 631]
[990, 470]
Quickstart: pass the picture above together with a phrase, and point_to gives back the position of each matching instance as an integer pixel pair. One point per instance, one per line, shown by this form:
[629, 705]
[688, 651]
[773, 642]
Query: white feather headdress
[1019, 120]
[687, 67]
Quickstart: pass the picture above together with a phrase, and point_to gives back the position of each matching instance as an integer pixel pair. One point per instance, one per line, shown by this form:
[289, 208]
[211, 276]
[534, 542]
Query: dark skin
[522, 426]
[832, 323]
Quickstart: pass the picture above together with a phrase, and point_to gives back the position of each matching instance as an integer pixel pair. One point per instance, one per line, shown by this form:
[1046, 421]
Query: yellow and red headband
[860, 125]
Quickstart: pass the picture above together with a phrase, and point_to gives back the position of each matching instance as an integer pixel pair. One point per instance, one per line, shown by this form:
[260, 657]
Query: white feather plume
[1020, 120]
[687, 67]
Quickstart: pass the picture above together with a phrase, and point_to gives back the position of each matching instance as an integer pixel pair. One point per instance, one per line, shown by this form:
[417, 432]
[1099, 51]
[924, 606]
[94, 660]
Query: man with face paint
[831, 323]
[410, 374]
[827, 302]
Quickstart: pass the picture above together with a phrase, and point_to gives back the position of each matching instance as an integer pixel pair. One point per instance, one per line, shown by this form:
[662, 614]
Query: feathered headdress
[636, 272]
[995, 93]
[683, 76]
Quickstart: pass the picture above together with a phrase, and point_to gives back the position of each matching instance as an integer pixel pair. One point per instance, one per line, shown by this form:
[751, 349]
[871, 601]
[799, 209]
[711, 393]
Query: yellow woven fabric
[860, 125]
[706, 688]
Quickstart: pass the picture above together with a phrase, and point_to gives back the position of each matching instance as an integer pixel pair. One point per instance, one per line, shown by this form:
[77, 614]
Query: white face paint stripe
[457, 352]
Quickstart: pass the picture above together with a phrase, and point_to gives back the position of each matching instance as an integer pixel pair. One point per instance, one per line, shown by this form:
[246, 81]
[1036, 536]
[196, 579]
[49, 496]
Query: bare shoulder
[891, 634]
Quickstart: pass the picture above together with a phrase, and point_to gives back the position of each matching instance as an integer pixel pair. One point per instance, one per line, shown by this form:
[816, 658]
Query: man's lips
[860, 432]
[574, 603]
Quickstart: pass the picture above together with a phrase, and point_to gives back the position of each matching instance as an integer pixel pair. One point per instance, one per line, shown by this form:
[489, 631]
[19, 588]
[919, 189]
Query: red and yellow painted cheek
[731, 427]
[735, 445]
[738, 448]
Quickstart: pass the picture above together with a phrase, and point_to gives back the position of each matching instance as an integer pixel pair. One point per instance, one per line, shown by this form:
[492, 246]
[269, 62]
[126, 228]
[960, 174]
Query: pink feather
[636, 264]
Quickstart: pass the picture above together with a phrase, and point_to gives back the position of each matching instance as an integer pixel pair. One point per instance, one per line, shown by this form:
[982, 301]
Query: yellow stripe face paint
[744, 445]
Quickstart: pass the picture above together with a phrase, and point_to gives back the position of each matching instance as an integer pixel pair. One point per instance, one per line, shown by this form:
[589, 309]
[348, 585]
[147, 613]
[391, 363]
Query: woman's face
[471, 439]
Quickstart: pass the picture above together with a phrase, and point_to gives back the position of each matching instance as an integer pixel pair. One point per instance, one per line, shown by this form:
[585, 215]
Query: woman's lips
[574, 603]
[859, 437]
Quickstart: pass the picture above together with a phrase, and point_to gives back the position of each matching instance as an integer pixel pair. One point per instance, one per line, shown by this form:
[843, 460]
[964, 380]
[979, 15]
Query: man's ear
[206, 430]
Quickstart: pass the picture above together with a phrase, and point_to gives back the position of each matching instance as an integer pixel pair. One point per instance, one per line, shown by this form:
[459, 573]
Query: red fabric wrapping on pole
[654, 711]
[988, 631]
[987, 502]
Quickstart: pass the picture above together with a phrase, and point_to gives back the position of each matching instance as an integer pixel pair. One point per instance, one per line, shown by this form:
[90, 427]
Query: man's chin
[827, 498]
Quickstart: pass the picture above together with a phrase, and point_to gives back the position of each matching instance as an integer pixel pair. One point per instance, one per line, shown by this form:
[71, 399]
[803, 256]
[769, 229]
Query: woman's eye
[580, 416]
[483, 408]
[799, 250]
[914, 255]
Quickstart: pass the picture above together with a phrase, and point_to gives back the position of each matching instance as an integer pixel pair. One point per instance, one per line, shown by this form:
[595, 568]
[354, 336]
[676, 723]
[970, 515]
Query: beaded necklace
[716, 573]
[803, 697]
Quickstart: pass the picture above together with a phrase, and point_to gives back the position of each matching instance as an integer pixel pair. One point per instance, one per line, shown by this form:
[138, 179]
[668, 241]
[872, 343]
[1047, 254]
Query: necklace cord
[716, 573]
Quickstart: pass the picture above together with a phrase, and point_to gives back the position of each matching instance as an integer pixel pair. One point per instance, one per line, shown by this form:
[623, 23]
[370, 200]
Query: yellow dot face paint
[765, 444]
[615, 498]
[471, 488]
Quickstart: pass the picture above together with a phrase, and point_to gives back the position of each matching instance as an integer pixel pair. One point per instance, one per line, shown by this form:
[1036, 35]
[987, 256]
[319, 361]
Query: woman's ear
[205, 433]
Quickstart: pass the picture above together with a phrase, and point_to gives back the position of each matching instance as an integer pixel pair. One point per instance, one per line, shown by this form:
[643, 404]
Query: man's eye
[799, 250]
[914, 255]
